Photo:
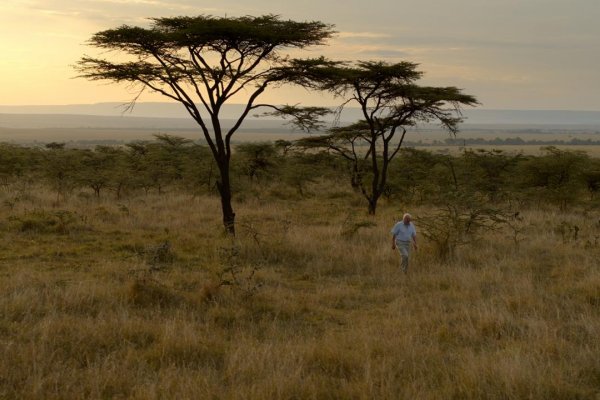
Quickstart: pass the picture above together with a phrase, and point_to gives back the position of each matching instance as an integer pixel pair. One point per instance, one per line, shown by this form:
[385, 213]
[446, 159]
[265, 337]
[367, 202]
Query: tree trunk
[228, 214]
[224, 187]
[372, 205]
[355, 179]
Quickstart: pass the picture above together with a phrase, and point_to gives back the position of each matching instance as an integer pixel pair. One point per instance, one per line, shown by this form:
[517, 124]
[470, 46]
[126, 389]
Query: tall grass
[307, 302]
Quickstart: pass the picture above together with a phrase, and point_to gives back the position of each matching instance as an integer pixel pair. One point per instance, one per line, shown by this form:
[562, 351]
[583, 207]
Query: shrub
[461, 221]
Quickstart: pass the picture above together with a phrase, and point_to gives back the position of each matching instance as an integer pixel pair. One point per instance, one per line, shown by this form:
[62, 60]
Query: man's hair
[407, 215]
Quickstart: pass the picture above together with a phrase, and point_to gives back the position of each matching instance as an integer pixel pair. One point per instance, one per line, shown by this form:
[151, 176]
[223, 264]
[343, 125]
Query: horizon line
[242, 104]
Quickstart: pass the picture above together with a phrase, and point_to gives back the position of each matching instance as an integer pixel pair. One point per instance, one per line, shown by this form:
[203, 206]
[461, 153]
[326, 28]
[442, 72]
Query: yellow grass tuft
[146, 292]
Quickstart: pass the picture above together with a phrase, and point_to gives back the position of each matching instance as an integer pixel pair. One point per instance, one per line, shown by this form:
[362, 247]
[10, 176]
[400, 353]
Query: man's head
[406, 218]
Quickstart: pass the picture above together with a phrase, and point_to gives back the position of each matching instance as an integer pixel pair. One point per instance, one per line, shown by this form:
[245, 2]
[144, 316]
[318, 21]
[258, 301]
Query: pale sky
[510, 54]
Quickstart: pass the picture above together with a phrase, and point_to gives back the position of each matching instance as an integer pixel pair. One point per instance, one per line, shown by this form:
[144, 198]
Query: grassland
[307, 303]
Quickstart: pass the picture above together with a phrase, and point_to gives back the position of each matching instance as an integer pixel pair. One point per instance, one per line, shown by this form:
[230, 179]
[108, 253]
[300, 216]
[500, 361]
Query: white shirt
[403, 232]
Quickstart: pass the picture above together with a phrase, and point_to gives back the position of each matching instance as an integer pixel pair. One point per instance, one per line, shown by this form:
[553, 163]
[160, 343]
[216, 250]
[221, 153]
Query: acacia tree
[98, 168]
[60, 168]
[390, 102]
[488, 171]
[556, 176]
[203, 62]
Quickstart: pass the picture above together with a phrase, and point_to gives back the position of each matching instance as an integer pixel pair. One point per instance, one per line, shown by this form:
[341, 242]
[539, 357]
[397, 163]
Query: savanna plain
[143, 296]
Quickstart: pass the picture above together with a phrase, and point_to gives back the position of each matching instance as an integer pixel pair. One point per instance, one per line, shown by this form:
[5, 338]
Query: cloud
[384, 53]
[60, 13]
[181, 5]
[365, 44]
[102, 13]
[363, 35]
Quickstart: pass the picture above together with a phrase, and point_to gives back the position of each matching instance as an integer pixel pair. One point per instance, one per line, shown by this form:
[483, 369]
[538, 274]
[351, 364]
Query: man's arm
[414, 238]
[393, 242]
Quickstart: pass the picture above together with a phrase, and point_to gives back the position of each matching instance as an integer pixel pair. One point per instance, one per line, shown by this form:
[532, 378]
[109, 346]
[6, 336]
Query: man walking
[402, 233]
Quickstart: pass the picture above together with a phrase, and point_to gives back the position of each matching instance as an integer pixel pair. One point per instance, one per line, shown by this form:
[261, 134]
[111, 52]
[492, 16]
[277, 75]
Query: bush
[461, 221]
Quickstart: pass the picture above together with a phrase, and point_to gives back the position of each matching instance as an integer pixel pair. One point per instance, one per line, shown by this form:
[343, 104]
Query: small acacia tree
[203, 62]
[98, 167]
[489, 171]
[257, 158]
[60, 167]
[555, 176]
[390, 102]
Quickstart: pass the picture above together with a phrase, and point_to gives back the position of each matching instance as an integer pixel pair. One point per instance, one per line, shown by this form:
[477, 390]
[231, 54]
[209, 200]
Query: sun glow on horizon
[41, 41]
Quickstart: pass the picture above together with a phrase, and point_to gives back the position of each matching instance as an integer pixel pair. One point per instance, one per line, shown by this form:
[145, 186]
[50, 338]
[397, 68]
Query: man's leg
[404, 248]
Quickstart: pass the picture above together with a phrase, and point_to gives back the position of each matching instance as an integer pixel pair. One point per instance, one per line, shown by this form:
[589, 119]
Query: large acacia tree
[390, 101]
[203, 62]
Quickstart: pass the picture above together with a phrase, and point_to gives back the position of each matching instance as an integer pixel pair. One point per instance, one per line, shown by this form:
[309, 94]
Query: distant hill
[72, 121]
[106, 121]
[533, 117]
[175, 111]
[150, 110]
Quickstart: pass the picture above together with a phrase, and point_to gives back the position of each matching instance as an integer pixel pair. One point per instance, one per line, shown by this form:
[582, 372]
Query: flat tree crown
[379, 80]
[243, 34]
[205, 60]
[388, 94]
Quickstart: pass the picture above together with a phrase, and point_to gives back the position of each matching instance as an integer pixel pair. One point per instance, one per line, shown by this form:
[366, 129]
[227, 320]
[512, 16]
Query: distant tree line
[497, 141]
[516, 141]
[454, 141]
[289, 170]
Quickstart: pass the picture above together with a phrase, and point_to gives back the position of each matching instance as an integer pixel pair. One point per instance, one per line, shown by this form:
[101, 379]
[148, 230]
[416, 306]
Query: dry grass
[300, 306]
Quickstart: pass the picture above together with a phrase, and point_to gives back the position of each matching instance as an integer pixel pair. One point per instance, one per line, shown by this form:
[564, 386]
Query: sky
[510, 54]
